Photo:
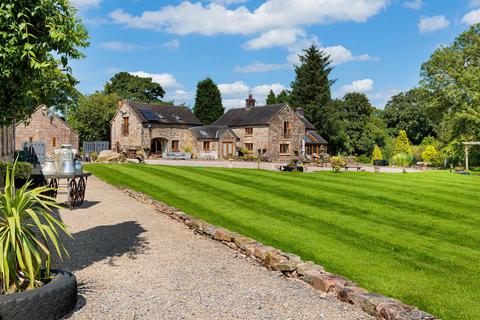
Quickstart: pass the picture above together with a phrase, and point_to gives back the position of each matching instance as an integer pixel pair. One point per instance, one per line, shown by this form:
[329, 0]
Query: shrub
[27, 233]
[377, 153]
[187, 149]
[338, 163]
[23, 170]
[364, 159]
[431, 156]
[403, 159]
[402, 144]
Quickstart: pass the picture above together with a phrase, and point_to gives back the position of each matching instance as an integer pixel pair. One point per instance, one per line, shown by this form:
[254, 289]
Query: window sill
[284, 154]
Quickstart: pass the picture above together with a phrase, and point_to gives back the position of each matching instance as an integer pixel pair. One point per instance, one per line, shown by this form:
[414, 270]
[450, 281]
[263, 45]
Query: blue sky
[377, 46]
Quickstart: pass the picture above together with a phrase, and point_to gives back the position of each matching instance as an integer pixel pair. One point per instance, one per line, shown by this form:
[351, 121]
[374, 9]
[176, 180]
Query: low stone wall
[292, 265]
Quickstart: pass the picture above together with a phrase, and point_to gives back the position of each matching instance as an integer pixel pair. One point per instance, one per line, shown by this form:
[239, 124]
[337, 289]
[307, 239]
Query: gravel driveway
[132, 262]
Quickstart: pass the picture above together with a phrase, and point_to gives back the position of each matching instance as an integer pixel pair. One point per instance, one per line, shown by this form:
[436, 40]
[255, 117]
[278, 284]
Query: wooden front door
[228, 149]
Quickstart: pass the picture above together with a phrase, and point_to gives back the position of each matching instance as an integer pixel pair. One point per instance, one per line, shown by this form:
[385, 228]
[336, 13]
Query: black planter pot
[52, 301]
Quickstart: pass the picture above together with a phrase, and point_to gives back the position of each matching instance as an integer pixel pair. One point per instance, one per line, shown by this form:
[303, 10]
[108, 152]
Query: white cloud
[257, 67]
[179, 96]
[338, 55]
[213, 18]
[82, 4]
[472, 17]
[380, 98]
[228, 2]
[362, 86]
[275, 38]
[261, 91]
[235, 89]
[120, 46]
[166, 80]
[413, 4]
[435, 23]
[235, 93]
[171, 45]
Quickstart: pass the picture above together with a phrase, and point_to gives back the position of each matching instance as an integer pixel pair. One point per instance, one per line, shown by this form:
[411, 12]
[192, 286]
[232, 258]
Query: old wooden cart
[76, 186]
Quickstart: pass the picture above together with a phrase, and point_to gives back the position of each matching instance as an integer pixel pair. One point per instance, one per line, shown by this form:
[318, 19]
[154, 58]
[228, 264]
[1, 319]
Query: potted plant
[30, 288]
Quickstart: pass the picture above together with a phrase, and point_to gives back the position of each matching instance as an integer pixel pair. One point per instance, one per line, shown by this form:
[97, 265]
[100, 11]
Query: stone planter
[52, 301]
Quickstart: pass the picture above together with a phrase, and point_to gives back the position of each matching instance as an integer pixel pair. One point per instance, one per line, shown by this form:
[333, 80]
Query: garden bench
[353, 167]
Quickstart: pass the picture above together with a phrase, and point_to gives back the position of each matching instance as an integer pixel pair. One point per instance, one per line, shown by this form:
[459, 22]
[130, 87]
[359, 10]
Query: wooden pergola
[467, 147]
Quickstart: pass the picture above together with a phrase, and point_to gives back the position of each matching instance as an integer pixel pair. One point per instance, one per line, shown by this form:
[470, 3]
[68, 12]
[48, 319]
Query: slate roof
[260, 115]
[308, 124]
[211, 132]
[312, 137]
[164, 114]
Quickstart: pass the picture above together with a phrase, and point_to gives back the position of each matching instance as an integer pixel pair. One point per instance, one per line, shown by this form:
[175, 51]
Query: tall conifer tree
[311, 88]
[208, 102]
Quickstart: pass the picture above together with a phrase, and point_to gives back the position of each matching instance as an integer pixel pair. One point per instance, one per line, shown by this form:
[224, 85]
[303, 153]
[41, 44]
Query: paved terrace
[132, 262]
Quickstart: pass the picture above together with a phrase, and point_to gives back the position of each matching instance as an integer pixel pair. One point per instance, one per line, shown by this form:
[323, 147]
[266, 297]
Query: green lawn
[415, 237]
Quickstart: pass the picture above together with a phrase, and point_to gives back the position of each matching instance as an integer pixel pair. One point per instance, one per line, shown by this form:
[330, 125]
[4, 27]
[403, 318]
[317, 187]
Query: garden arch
[467, 147]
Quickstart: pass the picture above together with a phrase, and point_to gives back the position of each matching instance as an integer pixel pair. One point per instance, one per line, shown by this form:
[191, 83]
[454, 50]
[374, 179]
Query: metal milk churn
[49, 167]
[66, 158]
[78, 166]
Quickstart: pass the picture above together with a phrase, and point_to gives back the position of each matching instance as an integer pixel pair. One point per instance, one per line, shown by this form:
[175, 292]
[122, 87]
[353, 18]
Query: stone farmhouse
[154, 127]
[6, 144]
[272, 132]
[47, 127]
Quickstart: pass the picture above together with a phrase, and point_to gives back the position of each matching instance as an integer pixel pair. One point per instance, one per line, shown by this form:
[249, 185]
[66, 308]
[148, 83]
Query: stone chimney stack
[250, 102]
[299, 111]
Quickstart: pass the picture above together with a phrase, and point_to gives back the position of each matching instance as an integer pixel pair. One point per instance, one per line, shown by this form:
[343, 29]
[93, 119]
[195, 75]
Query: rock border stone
[381, 307]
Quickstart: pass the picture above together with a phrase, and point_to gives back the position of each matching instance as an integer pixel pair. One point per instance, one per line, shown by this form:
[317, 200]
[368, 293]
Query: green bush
[364, 159]
[338, 163]
[403, 159]
[28, 234]
[23, 170]
[431, 156]
[377, 153]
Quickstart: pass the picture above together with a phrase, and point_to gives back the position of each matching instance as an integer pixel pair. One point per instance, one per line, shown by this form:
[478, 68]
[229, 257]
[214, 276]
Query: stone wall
[276, 136]
[48, 128]
[6, 144]
[270, 137]
[133, 139]
[140, 136]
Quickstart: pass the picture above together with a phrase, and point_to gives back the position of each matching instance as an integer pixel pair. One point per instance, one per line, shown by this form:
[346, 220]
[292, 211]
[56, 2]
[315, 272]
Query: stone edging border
[376, 305]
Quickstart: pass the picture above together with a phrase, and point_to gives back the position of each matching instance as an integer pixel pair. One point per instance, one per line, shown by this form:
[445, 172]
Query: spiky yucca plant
[27, 231]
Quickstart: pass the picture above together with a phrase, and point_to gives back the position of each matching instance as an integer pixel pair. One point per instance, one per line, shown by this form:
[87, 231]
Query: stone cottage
[215, 142]
[6, 144]
[153, 127]
[45, 126]
[273, 132]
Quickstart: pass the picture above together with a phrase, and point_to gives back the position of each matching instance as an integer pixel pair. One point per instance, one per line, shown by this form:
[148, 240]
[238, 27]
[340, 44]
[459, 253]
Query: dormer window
[248, 131]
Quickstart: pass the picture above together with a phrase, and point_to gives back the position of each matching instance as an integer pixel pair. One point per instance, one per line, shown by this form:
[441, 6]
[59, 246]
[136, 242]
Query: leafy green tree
[93, 115]
[408, 111]
[283, 97]
[271, 98]
[38, 39]
[208, 102]
[402, 144]
[131, 87]
[311, 87]
[452, 76]
[377, 153]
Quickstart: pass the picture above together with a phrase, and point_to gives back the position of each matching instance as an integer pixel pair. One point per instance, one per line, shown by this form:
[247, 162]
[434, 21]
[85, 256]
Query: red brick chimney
[250, 102]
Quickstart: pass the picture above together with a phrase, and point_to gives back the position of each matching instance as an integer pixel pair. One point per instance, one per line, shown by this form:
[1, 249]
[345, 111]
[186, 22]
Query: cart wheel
[54, 185]
[81, 191]
[73, 193]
